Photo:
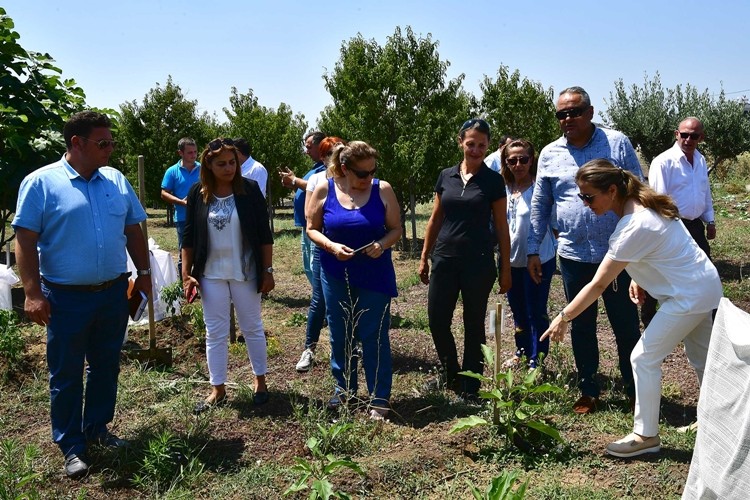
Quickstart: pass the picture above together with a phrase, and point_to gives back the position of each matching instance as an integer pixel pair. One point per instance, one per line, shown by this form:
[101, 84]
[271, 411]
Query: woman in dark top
[227, 252]
[460, 244]
[355, 219]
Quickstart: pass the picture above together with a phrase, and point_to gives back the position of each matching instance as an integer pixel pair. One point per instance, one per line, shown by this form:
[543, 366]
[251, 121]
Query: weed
[319, 470]
[17, 476]
[168, 463]
[195, 313]
[273, 346]
[501, 488]
[11, 340]
[297, 319]
[513, 405]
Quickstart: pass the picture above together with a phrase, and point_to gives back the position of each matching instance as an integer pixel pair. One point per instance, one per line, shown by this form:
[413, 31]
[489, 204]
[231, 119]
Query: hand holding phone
[192, 294]
[362, 248]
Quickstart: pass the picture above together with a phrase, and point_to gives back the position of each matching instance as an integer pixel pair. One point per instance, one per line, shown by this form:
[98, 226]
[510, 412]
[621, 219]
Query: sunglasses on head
[216, 144]
[363, 174]
[588, 198]
[102, 144]
[477, 123]
[693, 135]
[523, 160]
[570, 113]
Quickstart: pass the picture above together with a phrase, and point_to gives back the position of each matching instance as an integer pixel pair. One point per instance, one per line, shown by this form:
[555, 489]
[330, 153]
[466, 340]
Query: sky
[117, 51]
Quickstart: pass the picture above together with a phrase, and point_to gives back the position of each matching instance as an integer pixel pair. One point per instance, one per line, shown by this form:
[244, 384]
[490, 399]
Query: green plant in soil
[11, 340]
[170, 295]
[515, 406]
[501, 488]
[17, 476]
[168, 463]
[315, 474]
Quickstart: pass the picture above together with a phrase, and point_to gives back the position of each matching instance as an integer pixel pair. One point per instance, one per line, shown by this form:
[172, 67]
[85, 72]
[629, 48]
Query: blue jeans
[180, 226]
[473, 278]
[358, 314]
[317, 312]
[307, 256]
[84, 327]
[622, 314]
[528, 301]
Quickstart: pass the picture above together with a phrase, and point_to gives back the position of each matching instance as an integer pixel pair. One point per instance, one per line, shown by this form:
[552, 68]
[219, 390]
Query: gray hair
[585, 99]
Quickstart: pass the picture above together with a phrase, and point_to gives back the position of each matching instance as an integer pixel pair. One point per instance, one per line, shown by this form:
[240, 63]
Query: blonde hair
[349, 154]
[601, 174]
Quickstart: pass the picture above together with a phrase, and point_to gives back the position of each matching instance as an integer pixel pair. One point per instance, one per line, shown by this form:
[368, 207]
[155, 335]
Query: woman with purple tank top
[355, 220]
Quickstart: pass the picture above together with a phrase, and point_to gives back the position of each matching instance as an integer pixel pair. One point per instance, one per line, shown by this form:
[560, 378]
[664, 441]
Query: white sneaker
[305, 361]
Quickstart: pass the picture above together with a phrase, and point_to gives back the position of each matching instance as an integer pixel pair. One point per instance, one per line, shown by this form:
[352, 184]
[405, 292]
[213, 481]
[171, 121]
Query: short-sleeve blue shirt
[81, 224]
[299, 196]
[178, 181]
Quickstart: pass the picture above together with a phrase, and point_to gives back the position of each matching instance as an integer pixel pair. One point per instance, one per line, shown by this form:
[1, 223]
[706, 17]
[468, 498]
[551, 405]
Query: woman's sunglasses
[363, 174]
[523, 160]
[588, 198]
[216, 144]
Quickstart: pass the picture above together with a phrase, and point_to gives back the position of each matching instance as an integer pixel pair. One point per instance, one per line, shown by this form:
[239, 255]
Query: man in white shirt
[681, 172]
[493, 159]
[251, 168]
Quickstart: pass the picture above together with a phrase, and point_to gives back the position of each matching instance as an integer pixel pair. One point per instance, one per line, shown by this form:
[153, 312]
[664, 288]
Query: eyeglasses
[477, 123]
[102, 144]
[570, 113]
[217, 144]
[693, 135]
[523, 160]
[588, 198]
[363, 174]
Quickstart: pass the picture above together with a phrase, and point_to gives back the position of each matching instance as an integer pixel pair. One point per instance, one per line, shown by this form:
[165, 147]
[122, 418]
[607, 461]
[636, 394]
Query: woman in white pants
[227, 252]
[662, 258]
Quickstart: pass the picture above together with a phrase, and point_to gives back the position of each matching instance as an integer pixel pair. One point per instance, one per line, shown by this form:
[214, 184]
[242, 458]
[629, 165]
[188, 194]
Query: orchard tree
[647, 115]
[396, 98]
[519, 107]
[650, 114]
[153, 128]
[34, 103]
[274, 136]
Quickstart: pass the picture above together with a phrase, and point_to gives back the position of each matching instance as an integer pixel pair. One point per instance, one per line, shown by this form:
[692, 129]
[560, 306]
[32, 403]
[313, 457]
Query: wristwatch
[143, 272]
[269, 270]
[564, 316]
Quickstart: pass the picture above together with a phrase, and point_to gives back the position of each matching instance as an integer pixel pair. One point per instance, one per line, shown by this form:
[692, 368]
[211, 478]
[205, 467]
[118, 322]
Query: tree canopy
[398, 99]
[34, 103]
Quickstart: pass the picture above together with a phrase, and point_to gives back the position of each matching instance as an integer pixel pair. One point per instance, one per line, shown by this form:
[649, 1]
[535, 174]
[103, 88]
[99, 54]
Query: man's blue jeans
[528, 301]
[84, 327]
[622, 314]
[358, 314]
[317, 312]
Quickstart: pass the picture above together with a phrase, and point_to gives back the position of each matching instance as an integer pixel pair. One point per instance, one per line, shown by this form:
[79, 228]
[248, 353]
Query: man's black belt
[86, 288]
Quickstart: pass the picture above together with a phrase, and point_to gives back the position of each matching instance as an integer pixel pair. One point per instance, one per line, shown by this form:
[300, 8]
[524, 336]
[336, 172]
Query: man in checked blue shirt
[584, 237]
[74, 220]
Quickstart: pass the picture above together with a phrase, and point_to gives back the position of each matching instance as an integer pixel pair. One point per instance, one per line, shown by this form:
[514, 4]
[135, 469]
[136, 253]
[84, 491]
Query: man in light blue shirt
[178, 179]
[74, 220]
[584, 236]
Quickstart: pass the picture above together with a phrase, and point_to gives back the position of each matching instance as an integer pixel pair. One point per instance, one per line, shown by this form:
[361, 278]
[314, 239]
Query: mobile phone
[360, 249]
[192, 294]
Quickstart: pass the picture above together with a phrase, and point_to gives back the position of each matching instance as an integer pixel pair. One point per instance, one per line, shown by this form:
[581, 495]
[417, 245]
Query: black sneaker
[76, 466]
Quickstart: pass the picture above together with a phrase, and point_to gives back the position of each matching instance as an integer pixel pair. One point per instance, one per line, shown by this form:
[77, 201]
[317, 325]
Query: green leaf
[489, 355]
[333, 465]
[322, 488]
[467, 423]
[476, 376]
[545, 429]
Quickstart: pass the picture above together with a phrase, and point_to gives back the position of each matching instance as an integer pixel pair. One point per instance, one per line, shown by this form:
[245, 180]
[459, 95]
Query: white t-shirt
[314, 180]
[228, 257]
[519, 222]
[665, 261]
[253, 169]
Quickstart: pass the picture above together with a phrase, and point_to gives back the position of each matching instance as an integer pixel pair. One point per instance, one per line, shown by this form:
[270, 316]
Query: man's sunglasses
[588, 198]
[523, 160]
[570, 113]
[363, 174]
[216, 144]
[693, 135]
[102, 144]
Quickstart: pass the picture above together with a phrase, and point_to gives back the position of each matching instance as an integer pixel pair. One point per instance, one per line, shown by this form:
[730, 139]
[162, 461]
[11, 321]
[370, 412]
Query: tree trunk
[413, 207]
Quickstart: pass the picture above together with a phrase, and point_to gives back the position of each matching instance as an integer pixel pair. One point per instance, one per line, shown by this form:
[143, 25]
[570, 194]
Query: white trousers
[216, 296]
[658, 340]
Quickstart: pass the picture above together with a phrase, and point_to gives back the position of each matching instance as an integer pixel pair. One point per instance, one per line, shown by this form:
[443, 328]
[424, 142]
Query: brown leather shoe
[585, 404]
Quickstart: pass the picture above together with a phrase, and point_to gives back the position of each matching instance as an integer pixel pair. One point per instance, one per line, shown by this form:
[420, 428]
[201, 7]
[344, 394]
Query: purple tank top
[354, 228]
